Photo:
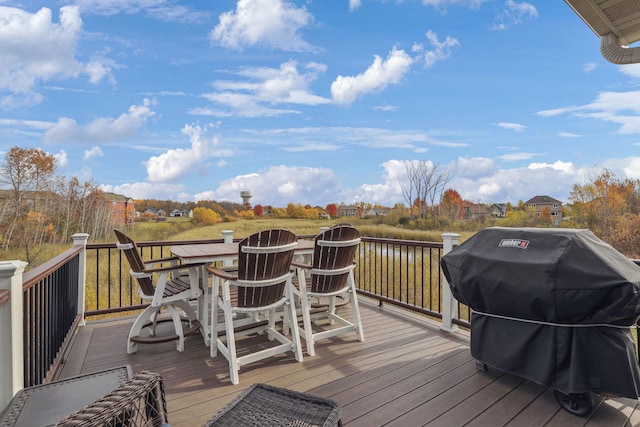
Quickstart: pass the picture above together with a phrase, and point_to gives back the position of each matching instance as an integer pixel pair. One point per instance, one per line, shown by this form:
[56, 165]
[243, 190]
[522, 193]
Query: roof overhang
[616, 22]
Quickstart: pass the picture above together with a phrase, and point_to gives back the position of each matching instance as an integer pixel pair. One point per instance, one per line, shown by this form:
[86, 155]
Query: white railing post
[228, 238]
[81, 239]
[11, 332]
[449, 303]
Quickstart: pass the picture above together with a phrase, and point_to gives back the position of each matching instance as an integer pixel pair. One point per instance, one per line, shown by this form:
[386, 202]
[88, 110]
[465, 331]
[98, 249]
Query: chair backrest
[334, 249]
[130, 250]
[262, 257]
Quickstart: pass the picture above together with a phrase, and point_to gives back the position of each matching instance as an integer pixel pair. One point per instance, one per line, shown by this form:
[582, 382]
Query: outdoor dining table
[209, 253]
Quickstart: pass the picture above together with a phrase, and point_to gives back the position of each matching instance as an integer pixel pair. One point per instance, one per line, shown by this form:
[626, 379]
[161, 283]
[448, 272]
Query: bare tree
[426, 181]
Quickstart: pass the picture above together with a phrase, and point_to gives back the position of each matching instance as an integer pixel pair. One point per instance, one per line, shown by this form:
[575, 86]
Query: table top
[209, 252]
[47, 404]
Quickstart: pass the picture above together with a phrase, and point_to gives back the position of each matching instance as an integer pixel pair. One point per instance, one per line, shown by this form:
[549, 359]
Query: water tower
[246, 197]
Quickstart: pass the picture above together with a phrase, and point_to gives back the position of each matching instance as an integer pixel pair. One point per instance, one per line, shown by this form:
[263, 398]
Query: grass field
[183, 229]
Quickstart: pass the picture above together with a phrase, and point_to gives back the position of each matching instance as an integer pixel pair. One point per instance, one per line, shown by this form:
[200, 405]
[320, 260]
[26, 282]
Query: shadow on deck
[406, 372]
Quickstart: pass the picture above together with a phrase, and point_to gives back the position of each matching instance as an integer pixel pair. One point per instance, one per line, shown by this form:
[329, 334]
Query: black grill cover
[546, 303]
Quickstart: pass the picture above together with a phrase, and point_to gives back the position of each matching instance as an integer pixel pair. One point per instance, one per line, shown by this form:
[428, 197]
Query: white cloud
[280, 185]
[512, 126]
[473, 167]
[178, 162]
[511, 185]
[354, 4]
[621, 108]
[631, 70]
[378, 76]
[442, 4]
[101, 129]
[568, 135]
[389, 191]
[518, 156]
[147, 190]
[270, 23]
[590, 66]
[61, 158]
[165, 10]
[94, 151]
[262, 88]
[34, 49]
[441, 49]
[514, 13]
[566, 167]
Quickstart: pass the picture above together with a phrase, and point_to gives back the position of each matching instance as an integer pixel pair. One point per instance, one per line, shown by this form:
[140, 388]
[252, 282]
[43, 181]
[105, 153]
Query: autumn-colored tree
[246, 214]
[257, 210]
[27, 172]
[608, 206]
[204, 216]
[452, 205]
[518, 218]
[332, 210]
[544, 217]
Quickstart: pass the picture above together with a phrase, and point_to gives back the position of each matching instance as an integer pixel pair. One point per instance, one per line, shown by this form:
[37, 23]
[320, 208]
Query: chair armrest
[222, 273]
[159, 260]
[300, 264]
[173, 267]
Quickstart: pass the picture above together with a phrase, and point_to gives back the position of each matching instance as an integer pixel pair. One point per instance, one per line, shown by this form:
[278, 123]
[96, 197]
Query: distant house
[377, 212]
[181, 213]
[349, 210]
[155, 212]
[540, 203]
[322, 212]
[482, 211]
[123, 208]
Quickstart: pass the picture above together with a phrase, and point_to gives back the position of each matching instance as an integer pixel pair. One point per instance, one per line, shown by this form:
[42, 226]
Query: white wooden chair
[172, 290]
[330, 276]
[260, 284]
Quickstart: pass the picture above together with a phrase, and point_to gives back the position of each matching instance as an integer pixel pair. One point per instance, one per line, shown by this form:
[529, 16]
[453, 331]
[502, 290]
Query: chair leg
[188, 309]
[356, 309]
[234, 367]
[177, 324]
[290, 312]
[307, 330]
[148, 313]
[213, 324]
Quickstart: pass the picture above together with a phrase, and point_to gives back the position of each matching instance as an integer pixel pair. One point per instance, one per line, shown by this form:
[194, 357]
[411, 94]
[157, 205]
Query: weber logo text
[514, 243]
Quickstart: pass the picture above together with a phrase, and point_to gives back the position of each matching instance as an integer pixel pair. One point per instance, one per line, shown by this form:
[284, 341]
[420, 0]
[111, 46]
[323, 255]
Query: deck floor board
[407, 372]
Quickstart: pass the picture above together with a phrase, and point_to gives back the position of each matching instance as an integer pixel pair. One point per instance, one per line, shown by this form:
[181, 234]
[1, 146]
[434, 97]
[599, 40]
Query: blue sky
[315, 101]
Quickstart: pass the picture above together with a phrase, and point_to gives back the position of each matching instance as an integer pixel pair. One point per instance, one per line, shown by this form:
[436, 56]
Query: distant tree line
[37, 206]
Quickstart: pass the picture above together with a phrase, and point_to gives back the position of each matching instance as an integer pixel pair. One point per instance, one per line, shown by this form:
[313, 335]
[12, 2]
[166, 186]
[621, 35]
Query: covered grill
[554, 306]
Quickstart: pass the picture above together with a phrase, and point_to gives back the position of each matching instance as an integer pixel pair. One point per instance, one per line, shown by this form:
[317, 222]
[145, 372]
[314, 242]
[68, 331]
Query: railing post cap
[450, 234]
[227, 232]
[79, 237]
[9, 268]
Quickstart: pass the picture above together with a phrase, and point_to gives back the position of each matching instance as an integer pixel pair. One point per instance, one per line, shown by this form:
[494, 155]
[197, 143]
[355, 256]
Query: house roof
[616, 22]
[546, 200]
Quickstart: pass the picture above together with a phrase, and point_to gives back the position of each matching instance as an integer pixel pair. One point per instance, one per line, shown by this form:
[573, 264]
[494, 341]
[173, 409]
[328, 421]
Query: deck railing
[93, 281]
[40, 311]
[405, 273]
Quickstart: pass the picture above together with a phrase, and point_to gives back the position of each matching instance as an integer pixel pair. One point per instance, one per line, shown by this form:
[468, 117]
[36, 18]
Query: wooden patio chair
[173, 289]
[138, 402]
[258, 285]
[330, 276]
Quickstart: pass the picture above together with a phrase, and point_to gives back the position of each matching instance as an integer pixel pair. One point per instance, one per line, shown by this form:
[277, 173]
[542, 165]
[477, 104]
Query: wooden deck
[406, 373]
